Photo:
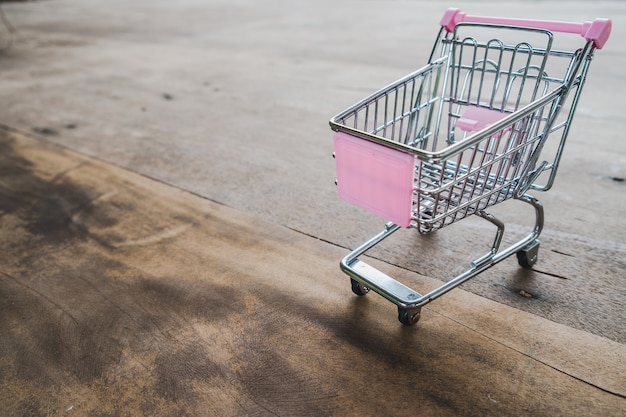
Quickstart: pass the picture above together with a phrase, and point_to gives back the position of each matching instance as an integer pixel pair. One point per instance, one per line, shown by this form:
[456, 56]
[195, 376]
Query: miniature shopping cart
[483, 122]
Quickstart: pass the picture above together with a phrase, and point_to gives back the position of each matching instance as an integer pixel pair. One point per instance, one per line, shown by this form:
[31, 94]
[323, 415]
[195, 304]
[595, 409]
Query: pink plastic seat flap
[478, 118]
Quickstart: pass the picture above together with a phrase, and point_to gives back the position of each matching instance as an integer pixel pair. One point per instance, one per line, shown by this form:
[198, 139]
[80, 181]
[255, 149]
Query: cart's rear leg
[527, 257]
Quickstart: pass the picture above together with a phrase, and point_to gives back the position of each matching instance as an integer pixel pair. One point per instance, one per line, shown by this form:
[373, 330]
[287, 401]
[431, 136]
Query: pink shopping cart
[466, 132]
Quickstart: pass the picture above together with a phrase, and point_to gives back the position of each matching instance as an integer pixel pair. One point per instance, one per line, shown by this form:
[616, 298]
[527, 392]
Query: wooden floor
[170, 233]
[123, 296]
[231, 101]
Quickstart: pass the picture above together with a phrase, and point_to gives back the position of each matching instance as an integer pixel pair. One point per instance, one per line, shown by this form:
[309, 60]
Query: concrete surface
[229, 101]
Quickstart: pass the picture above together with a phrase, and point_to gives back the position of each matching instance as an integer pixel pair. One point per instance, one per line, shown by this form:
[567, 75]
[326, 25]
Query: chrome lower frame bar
[405, 297]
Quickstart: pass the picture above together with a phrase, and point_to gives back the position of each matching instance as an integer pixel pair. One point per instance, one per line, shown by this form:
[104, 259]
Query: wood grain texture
[123, 296]
[231, 101]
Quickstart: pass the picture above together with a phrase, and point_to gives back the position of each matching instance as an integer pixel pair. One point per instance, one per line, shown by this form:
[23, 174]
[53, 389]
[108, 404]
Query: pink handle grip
[597, 31]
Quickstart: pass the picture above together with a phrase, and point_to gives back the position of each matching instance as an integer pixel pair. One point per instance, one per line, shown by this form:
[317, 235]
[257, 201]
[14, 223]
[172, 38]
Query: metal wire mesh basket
[465, 132]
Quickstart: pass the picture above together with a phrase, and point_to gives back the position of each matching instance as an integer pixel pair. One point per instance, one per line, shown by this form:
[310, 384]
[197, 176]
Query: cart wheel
[358, 288]
[409, 317]
[527, 257]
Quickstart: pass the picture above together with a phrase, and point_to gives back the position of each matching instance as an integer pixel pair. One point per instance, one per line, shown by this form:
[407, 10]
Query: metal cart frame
[463, 133]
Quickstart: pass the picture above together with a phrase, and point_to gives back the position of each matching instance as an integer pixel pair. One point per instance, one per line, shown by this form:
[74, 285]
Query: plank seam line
[608, 391]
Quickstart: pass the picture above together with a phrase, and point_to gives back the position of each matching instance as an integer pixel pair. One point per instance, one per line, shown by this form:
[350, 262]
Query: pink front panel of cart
[374, 177]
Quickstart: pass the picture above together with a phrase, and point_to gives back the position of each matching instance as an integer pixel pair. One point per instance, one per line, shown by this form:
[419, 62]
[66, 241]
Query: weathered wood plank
[123, 296]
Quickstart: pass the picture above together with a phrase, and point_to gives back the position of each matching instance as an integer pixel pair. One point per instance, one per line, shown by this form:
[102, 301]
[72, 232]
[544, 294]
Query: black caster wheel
[358, 288]
[409, 317]
[527, 257]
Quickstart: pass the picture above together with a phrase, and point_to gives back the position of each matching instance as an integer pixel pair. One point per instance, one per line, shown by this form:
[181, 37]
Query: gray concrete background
[230, 100]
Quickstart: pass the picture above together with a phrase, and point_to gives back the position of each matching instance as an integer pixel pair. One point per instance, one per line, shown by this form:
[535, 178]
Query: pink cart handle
[597, 31]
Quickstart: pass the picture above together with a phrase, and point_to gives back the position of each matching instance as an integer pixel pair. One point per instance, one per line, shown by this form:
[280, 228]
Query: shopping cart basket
[467, 131]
